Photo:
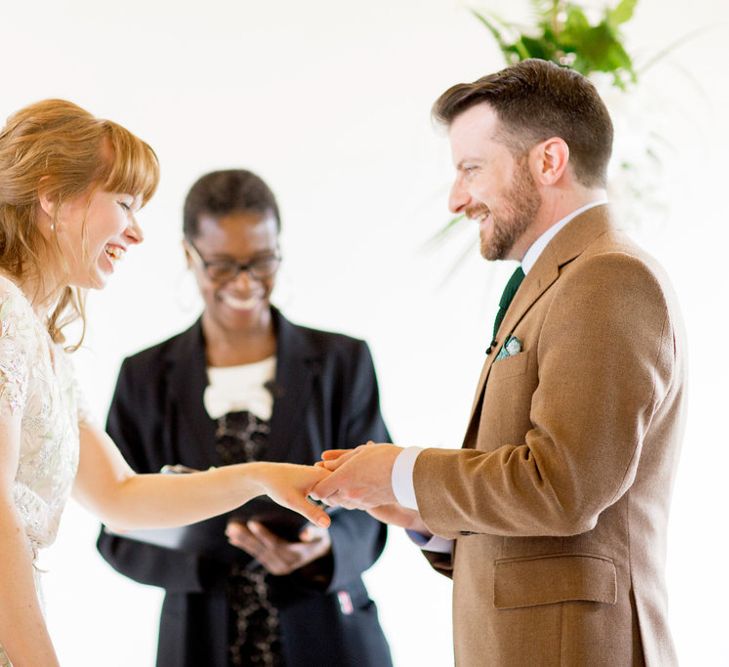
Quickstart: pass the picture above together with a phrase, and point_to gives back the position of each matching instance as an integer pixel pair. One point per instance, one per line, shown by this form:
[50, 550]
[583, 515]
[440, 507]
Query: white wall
[329, 101]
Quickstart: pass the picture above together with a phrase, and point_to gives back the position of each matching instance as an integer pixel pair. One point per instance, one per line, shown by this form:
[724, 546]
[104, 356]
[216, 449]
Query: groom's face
[493, 186]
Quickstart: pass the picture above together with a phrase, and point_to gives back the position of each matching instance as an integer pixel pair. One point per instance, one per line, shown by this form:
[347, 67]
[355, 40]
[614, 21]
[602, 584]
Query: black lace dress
[254, 634]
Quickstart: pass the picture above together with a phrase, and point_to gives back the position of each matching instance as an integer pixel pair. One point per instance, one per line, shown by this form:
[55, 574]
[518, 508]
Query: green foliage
[565, 35]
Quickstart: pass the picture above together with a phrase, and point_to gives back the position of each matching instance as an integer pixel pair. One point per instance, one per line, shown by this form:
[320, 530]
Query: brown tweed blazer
[559, 499]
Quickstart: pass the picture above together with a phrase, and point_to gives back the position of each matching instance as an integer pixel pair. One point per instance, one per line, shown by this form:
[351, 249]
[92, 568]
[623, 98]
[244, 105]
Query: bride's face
[94, 232]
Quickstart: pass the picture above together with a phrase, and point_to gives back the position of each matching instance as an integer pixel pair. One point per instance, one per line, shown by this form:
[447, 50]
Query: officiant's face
[235, 258]
[493, 185]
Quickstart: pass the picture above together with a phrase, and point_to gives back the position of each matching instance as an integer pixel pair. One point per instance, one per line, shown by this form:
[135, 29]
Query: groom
[552, 517]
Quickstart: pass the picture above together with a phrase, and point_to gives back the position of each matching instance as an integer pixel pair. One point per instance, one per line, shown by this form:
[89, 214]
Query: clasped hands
[361, 478]
[277, 555]
[358, 478]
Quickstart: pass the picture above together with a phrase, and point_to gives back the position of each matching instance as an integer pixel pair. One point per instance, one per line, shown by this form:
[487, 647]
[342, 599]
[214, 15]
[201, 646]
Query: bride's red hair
[63, 149]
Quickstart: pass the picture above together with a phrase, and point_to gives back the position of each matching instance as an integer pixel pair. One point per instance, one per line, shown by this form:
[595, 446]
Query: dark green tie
[506, 298]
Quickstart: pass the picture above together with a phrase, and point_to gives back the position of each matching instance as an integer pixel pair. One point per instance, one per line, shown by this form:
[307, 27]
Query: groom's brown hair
[535, 100]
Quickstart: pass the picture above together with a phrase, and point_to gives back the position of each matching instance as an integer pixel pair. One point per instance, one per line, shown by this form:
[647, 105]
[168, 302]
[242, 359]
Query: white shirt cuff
[433, 543]
[402, 477]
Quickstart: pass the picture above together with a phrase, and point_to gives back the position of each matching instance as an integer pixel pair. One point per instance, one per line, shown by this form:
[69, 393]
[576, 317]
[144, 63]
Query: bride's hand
[289, 484]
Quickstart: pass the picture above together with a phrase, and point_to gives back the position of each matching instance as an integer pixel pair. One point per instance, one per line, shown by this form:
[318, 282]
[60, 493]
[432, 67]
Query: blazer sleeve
[606, 362]
[357, 538]
[129, 425]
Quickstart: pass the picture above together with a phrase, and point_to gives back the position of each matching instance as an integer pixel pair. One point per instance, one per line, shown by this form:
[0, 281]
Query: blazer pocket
[532, 581]
[510, 366]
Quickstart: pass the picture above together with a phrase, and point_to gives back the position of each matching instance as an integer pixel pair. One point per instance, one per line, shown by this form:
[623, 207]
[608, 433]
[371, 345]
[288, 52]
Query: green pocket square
[511, 347]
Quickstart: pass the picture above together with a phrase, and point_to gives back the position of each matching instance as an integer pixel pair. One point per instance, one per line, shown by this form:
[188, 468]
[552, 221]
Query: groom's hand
[360, 478]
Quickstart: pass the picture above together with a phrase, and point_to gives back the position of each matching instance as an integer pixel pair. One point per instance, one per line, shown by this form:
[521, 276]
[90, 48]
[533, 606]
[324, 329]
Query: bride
[70, 188]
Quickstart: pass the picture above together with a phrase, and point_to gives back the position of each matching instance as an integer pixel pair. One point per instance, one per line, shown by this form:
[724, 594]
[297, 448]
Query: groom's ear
[549, 160]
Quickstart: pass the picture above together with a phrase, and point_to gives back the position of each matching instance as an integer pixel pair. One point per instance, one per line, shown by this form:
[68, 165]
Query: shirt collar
[536, 248]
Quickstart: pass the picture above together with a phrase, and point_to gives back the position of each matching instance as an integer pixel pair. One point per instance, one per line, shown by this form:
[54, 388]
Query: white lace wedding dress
[37, 383]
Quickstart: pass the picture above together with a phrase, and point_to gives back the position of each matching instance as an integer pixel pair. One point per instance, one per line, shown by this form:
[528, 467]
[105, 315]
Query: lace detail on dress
[39, 382]
[37, 385]
[13, 356]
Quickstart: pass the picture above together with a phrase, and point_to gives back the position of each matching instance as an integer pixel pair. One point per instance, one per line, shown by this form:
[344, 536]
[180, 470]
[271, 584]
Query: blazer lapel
[570, 242]
[298, 365]
[188, 379]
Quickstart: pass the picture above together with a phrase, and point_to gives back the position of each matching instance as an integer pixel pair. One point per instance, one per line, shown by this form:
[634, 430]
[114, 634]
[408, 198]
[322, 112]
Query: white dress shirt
[402, 470]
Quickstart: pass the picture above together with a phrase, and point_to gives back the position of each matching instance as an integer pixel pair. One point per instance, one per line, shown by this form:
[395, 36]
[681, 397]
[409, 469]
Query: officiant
[245, 384]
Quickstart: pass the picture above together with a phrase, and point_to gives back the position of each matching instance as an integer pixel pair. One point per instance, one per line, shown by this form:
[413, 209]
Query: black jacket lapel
[298, 365]
[188, 379]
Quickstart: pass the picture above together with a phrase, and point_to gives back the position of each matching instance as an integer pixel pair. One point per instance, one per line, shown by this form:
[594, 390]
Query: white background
[329, 101]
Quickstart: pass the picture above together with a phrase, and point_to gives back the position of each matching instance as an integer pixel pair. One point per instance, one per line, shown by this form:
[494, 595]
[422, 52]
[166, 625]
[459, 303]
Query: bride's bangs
[134, 168]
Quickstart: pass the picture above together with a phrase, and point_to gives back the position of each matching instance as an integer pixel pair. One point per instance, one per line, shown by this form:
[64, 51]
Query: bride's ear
[47, 206]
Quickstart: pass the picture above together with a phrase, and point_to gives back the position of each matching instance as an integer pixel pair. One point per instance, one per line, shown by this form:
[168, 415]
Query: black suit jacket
[325, 397]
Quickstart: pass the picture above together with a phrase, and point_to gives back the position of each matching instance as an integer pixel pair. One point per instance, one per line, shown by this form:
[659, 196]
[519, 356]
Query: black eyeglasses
[227, 269]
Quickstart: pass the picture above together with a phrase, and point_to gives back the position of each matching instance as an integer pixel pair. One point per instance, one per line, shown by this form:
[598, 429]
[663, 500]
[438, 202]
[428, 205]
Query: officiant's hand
[277, 555]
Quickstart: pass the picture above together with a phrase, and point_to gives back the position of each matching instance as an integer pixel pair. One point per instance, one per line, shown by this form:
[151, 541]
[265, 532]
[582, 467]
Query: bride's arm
[23, 632]
[107, 486]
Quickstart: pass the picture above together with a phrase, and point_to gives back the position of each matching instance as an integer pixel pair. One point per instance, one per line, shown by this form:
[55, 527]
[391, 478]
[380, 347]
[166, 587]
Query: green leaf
[512, 54]
[621, 60]
[594, 45]
[575, 28]
[522, 49]
[622, 13]
[549, 35]
[581, 65]
[576, 20]
[538, 48]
